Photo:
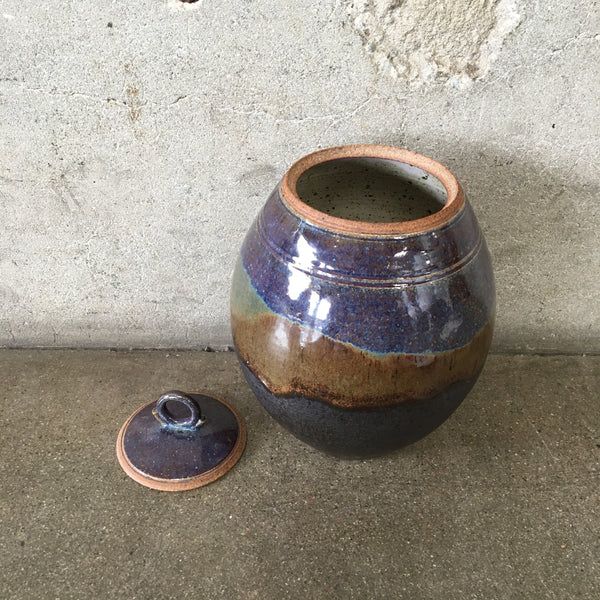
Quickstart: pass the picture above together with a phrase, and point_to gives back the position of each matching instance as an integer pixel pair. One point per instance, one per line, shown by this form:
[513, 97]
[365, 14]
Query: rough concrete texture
[500, 502]
[138, 140]
[423, 41]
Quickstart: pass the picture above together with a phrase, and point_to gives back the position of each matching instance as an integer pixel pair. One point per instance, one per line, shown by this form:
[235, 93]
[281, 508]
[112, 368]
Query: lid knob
[164, 416]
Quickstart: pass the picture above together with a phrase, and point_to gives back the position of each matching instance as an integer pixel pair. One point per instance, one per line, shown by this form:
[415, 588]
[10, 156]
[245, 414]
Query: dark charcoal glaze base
[359, 433]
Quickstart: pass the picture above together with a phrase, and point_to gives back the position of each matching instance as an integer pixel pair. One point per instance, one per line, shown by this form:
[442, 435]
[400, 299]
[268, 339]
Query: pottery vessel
[363, 299]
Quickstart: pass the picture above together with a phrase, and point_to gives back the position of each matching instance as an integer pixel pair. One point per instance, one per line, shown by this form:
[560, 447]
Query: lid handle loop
[161, 412]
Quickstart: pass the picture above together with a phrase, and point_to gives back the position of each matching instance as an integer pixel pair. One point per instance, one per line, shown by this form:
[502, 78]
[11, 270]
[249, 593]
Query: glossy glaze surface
[361, 342]
[168, 458]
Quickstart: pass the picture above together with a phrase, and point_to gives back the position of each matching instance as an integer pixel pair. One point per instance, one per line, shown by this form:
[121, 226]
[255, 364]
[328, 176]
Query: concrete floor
[503, 501]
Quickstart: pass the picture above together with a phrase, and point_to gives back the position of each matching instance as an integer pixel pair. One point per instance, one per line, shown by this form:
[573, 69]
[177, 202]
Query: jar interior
[372, 190]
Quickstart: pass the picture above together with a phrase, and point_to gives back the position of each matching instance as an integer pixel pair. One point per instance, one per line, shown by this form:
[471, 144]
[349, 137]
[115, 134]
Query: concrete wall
[139, 139]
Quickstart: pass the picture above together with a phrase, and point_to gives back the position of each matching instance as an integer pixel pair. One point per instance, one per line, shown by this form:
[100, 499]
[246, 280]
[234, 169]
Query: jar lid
[181, 442]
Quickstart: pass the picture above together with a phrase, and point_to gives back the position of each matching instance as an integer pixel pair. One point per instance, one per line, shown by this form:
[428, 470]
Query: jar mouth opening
[434, 200]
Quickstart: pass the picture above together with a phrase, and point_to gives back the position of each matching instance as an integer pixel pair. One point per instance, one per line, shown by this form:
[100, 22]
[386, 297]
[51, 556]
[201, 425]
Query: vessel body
[361, 339]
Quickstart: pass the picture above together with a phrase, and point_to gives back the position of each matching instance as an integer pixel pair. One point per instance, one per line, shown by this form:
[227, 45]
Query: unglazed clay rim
[189, 483]
[454, 202]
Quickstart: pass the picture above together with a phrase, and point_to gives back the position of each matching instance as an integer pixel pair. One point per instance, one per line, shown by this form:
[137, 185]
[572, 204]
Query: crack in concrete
[349, 115]
[543, 58]
[120, 103]
[334, 117]
[134, 108]
[265, 113]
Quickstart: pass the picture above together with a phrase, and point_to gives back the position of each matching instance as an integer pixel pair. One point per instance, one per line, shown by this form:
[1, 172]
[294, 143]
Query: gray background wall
[138, 141]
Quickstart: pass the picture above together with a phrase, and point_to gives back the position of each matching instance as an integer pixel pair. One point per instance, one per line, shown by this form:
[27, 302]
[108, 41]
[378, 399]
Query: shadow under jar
[362, 303]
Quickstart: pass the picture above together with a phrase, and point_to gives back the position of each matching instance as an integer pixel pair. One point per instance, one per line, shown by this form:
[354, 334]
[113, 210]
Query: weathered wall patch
[434, 41]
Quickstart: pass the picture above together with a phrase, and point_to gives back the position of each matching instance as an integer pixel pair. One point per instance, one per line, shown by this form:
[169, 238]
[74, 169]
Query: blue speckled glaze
[423, 293]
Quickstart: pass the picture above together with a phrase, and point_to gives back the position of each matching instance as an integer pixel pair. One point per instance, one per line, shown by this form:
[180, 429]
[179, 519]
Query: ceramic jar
[362, 303]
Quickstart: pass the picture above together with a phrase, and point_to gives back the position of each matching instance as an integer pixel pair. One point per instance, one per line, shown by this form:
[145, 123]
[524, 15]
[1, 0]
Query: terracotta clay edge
[190, 483]
[454, 203]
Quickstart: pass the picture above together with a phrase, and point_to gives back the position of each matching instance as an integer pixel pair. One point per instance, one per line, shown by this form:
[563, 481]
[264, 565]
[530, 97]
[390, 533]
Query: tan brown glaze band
[190, 483]
[314, 365]
[454, 203]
